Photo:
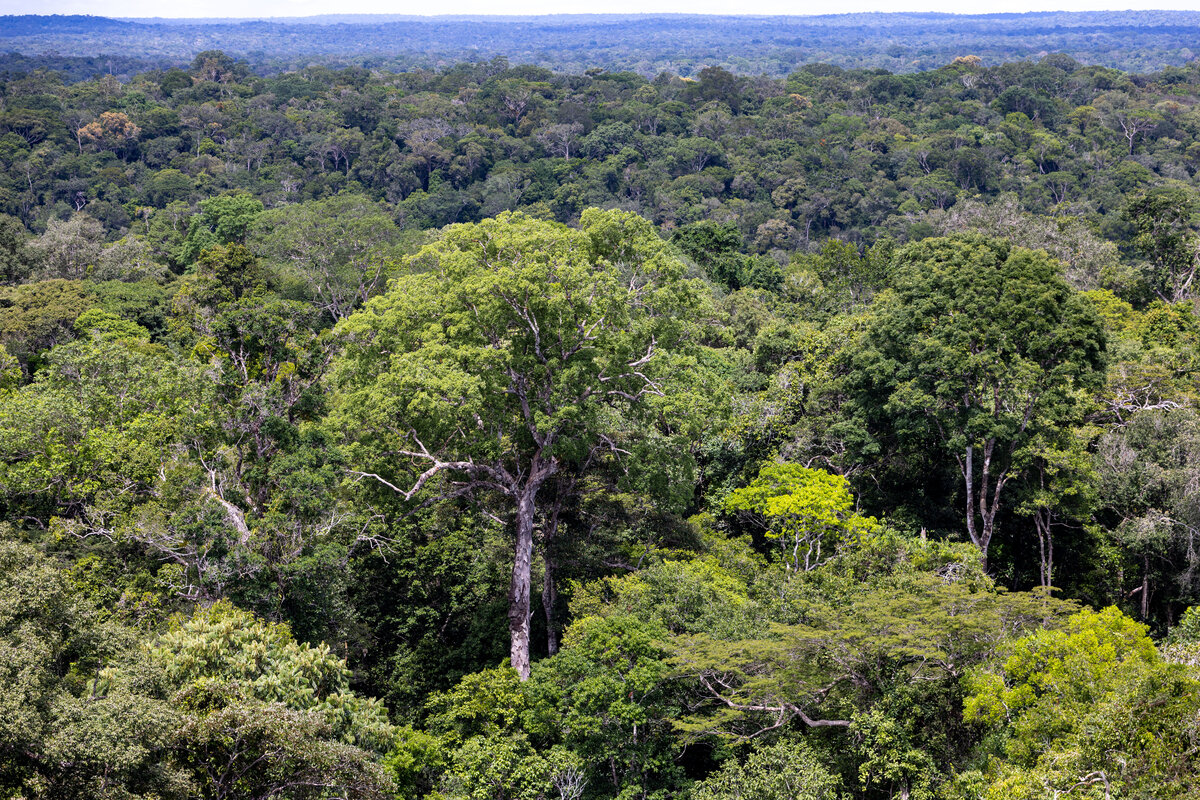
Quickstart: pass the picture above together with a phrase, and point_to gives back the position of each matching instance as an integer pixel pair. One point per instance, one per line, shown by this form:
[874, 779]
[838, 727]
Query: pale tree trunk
[968, 471]
[519, 610]
[1145, 588]
[1042, 519]
[984, 499]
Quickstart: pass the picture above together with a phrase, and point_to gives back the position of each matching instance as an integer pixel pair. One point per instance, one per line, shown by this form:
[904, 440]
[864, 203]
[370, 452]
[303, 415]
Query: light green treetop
[810, 511]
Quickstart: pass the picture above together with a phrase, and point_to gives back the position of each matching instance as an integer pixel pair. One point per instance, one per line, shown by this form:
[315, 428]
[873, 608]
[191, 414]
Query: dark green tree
[980, 348]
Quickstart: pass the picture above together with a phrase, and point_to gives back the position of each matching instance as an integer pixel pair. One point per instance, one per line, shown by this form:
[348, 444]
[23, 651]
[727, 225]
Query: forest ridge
[493, 431]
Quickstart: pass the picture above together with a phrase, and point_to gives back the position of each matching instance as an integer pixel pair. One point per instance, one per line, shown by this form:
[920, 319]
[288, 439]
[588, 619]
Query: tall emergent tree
[505, 353]
[981, 347]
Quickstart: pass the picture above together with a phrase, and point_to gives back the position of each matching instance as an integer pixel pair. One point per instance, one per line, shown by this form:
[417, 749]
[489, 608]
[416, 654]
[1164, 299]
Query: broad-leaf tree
[1164, 235]
[981, 348]
[809, 511]
[505, 353]
[339, 247]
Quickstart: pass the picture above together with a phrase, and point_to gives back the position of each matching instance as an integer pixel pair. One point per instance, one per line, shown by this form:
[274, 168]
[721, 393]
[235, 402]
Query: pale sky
[294, 8]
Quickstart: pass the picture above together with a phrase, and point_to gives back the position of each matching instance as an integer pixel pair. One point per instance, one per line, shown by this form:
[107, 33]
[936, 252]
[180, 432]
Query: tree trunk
[978, 499]
[1145, 588]
[968, 472]
[549, 596]
[1045, 546]
[519, 610]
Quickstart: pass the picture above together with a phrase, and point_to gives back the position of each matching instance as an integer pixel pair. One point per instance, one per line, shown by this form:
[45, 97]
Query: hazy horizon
[277, 9]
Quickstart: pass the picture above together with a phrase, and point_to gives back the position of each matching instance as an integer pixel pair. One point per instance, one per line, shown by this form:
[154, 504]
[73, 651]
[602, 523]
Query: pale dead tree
[516, 98]
[1134, 387]
[558, 139]
[1126, 117]
[569, 783]
[1091, 779]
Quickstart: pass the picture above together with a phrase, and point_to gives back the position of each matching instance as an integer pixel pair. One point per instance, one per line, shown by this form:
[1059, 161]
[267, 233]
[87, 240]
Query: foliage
[1090, 706]
[468, 369]
[980, 348]
[787, 769]
[317, 377]
[806, 509]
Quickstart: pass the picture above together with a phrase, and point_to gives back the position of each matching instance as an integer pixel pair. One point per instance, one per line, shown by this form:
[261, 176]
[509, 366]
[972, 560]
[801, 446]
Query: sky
[294, 8]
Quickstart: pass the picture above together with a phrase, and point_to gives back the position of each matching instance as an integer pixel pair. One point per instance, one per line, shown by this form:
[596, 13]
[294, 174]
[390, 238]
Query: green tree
[1164, 234]
[505, 352]
[715, 247]
[607, 698]
[225, 645]
[224, 219]
[857, 645]
[980, 348]
[15, 257]
[809, 511]
[70, 724]
[786, 770]
[341, 248]
[1090, 709]
[37, 316]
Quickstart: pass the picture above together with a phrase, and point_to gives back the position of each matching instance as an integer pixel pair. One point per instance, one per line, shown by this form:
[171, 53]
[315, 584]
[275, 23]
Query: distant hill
[1136, 41]
[36, 24]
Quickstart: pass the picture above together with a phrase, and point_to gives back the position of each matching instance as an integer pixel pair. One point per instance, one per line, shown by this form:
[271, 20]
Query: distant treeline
[648, 44]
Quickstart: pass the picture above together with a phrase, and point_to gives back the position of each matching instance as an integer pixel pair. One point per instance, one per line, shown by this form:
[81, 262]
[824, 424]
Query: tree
[1060, 484]
[846, 271]
[1148, 471]
[981, 347]
[224, 219]
[36, 316]
[505, 353]
[225, 645]
[560, 138]
[15, 255]
[1088, 710]
[1162, 219]
[809, 511]
[70, 724]
[113, 130]
[340, 247]
[786, 770]
[1126, 116]
[857, 644]
[715, 247]
[608, 698]
[69, 248]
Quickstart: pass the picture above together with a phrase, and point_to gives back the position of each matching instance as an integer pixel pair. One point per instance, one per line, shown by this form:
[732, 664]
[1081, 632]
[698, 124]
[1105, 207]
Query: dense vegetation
[497, 433]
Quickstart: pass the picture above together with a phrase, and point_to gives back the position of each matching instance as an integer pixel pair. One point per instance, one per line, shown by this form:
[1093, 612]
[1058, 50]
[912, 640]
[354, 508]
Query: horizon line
[369, 14]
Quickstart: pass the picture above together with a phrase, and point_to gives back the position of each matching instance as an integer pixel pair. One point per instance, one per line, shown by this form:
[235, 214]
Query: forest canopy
[648, 44]
[484, 430]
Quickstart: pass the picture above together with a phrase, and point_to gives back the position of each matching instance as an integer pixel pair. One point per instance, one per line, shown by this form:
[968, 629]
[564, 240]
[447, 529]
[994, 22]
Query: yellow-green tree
[809, 511]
